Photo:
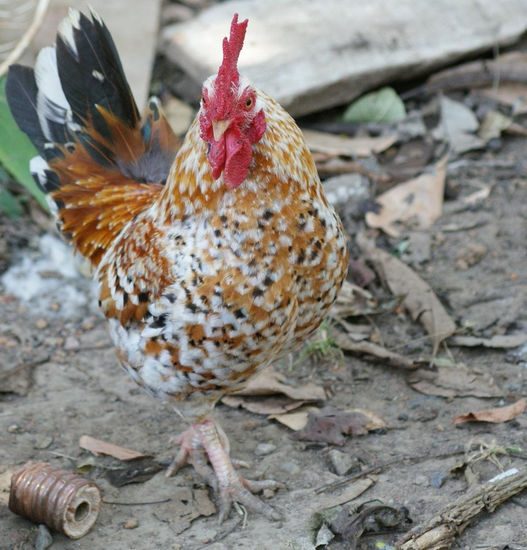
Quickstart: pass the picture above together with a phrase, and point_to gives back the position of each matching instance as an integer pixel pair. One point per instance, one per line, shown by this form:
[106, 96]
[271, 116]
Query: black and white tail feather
[99, 163]
[60, 104]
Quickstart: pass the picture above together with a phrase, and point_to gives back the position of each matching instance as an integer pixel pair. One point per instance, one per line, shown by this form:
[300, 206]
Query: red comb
[228, 71]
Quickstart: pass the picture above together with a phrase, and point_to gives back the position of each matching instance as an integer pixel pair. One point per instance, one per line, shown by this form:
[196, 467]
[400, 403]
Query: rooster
[214, 255]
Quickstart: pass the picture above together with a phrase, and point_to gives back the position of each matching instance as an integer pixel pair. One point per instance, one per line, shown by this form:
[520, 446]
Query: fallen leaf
[504, 341]
[493, 125]
[323, 142]
[99, 447]
[185, 506]
[382, 105]
[511, 94]
[346, 343]
[352, 301]
[496, 415]
[267, 393]
[419, 298]
[458, 124]
[295, 420]
[275, 404]
[330, 425]
[270, 382]
[418, 200]
[139, 471]
[453, 381]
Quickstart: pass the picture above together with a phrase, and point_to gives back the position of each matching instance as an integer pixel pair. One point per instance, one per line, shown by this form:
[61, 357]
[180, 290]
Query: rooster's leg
[204, 439]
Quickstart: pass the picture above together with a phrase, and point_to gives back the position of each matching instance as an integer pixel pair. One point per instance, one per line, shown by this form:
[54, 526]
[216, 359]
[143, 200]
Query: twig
[24, 42]
[440, 531]
[118, 503]
[381, 465]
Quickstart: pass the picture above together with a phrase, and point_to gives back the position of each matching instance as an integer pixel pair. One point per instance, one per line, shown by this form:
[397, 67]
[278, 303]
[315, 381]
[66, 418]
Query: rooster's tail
[99, 163]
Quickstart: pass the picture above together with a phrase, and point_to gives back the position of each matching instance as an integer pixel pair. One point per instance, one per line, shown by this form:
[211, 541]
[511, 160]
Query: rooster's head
[230, 118]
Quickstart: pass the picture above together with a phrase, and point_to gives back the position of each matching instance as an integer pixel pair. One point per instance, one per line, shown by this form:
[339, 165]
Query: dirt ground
[59, 380]
[69, 384]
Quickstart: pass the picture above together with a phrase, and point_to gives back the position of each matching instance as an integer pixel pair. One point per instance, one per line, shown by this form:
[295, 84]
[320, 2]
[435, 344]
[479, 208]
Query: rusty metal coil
[62, 500]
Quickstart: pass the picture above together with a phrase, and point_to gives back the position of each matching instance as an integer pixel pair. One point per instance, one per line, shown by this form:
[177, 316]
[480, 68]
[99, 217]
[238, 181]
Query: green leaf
[9, 203]
[16, 150]
[383, 105]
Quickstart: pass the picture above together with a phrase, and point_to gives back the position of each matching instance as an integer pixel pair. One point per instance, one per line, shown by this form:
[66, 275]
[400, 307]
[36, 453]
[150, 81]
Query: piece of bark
[313, 55]
[439, 533]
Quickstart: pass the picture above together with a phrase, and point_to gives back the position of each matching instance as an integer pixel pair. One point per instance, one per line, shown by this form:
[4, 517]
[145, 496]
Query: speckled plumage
[204, 280]
[225, 281]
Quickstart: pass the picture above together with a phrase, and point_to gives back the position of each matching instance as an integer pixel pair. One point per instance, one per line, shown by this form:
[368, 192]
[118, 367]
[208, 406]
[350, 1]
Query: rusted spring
[62, 500]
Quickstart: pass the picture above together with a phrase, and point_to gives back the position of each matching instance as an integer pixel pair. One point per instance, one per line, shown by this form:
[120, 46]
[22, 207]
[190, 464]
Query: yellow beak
[219, 127]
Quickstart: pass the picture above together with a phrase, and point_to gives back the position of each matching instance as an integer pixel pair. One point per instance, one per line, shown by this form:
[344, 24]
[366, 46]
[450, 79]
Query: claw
[206, 439]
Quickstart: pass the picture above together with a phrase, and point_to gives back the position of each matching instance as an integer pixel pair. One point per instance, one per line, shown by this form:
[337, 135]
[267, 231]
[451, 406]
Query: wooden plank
[316, 54]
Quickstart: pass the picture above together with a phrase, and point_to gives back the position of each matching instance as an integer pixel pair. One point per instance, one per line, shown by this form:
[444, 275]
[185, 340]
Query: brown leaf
[276, 404]
[271, 382]
[419, 200]
[420, 299]
[139, 471]
[497, 415]
[331, 425]
[323, 142]
[453, 381]
[346, 343]
[99, 447]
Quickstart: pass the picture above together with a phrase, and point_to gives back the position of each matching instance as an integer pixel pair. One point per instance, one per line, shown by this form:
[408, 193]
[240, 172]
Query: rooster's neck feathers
[280, 159]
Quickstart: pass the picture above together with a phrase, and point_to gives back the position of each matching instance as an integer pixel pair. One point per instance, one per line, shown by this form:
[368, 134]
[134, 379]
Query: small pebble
[437, 479]
[290, 467]
[263, 449]
[13, 428]
[41, 323]
[43, 539]
[268, 493]
[341, 462]
[420, 480]
[71, 343]
[403, 417]
[131, 523]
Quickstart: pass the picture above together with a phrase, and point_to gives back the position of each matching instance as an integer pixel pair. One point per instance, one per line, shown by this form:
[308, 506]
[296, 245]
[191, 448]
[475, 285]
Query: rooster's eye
[249, 103]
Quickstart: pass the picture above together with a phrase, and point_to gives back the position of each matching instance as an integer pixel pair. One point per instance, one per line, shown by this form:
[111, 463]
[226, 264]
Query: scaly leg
[202, 440]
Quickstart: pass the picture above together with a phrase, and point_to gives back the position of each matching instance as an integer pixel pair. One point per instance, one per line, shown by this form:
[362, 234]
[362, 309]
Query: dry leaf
[331, 425]
[504, 341]
[275, 404]
[419, 200]
[497, 415]
[352, 301]
[322, 142]
[346, 343]
[493, 125]
[453, 381]
[512, 94]
[295, 420]
[270, 382]
[419, 298]
[184, 507]
[266, 393]
[99, 447]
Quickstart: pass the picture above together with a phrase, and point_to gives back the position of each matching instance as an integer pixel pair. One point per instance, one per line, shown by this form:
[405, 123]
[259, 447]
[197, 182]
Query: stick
[440, 531]
[24, 42]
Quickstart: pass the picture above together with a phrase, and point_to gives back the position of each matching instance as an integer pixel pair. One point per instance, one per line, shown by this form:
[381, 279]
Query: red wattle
[238, 158]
